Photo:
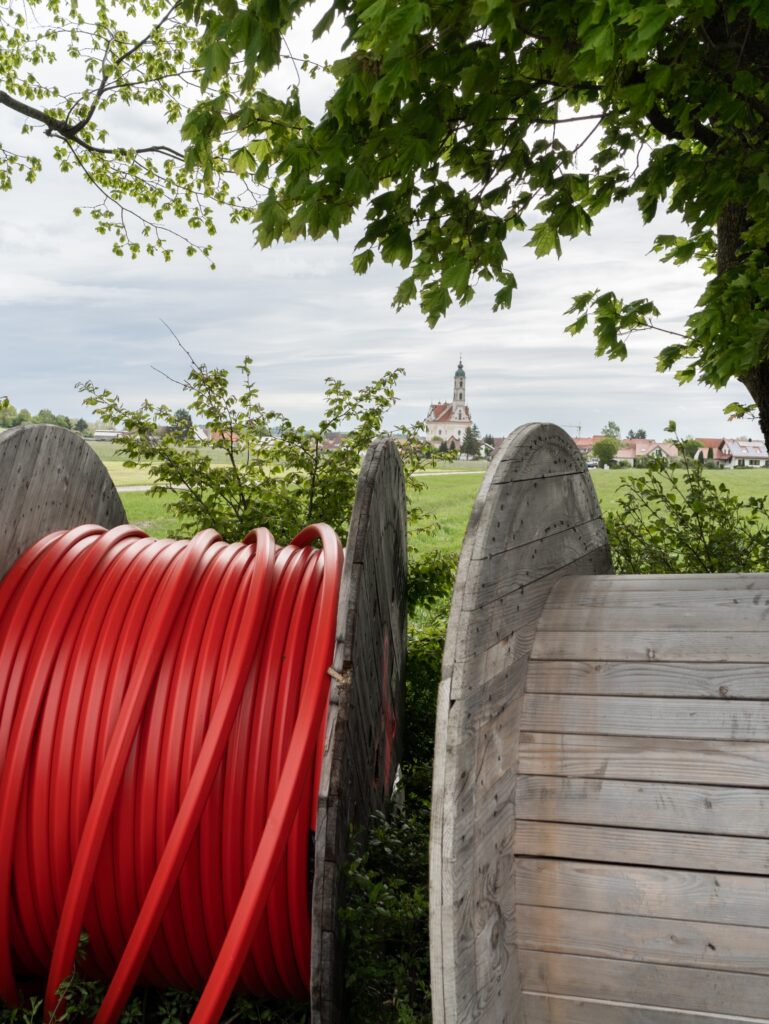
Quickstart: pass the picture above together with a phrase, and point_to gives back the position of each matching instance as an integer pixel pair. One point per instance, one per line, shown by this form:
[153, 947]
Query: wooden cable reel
[600, 831]
[51, 480]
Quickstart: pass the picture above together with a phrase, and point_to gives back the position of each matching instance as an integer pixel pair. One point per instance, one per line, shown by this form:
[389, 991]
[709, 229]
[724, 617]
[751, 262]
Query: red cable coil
[162, 711]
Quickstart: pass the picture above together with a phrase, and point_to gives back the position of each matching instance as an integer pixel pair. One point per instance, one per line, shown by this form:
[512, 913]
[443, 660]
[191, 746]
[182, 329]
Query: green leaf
[545, 239]
[362, 261]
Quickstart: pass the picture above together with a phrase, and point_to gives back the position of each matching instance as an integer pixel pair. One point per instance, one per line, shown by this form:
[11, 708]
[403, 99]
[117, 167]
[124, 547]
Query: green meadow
[447, 496]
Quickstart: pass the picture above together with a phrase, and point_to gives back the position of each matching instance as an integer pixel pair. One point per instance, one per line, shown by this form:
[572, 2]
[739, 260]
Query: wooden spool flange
[52, 480]
[363, 731]
[600, 842]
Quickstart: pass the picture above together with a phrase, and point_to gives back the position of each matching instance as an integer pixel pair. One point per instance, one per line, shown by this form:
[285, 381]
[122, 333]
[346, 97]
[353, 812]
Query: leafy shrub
[673, 519]
[385, 920]
[252, 465]
[431, 578]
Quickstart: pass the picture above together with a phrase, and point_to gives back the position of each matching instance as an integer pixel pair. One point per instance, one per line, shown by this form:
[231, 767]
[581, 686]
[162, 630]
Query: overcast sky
[70, 311]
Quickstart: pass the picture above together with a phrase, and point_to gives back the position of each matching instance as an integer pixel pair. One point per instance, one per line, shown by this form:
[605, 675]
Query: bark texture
[731, 224]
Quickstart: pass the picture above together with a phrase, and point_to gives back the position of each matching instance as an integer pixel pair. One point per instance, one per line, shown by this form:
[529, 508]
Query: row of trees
[612, 429]
[10, 416]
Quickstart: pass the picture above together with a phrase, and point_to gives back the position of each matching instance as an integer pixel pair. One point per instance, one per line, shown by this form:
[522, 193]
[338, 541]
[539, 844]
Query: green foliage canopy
[452, 125]
[445, 127]
[612, 429]
[605, 450]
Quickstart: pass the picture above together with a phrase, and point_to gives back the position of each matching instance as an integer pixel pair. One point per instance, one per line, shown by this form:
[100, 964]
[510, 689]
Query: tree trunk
[757, 383]
[731, 224]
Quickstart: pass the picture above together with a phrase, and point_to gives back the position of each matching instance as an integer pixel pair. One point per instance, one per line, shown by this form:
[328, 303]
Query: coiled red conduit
[162, 710]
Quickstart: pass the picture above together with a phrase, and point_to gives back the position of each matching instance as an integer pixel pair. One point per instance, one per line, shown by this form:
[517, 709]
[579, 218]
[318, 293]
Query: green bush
[275, 473]
[385, 920]
[673, 519]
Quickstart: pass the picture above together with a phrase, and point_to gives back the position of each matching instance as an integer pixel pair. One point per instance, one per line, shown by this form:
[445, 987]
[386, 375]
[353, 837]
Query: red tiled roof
[441, 411]
[584, 443]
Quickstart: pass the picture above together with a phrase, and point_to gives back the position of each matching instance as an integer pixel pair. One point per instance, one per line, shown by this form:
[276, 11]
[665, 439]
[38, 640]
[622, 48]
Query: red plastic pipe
[162, 712]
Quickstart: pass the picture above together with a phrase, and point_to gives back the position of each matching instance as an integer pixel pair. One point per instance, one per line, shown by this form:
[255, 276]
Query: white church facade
[446, 422]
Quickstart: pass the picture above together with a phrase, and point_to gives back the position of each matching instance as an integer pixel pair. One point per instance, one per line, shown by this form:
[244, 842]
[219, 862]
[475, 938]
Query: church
[446, 422]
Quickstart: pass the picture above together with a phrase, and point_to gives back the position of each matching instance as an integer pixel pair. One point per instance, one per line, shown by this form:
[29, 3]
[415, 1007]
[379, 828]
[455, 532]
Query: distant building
[446, 422]
[631, 449]
[636, 448]
[740, 451]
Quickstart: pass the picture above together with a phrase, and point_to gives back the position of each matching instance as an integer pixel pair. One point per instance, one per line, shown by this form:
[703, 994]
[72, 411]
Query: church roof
[460, 369]
[439, 412]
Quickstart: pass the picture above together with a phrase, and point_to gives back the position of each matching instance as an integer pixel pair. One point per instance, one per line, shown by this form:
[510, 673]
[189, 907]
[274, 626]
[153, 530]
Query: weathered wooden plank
[441, 911]
[723, 947]
[537, 450]
[650, 679]
[715, 810]
[362, 741]
[506, 569]
[669, 583]
[645, 892]
[685, 988]
[653, 759]
[642, 846]
[724, 646]
[514, 618]
[499, 576]
[51, 480]
[711, 604]
[542, 1009]
[647, 716]
[550, 506]
[650, 616]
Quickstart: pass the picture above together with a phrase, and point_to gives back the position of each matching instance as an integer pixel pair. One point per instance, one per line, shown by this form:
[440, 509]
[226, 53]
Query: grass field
[123, 477]
[448, 497]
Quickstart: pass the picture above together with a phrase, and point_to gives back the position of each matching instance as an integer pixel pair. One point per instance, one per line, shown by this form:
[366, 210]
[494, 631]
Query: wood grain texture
[536, 519]
[675, 613]
[714, 810]
[541, 1009]
[363, 729]
[668, 583]
[648, 758]
[642, 846]
[719, 645]
[644, 892]
[50, 479]
[619, 728]
[650, 679]
[721, 947]
[683, 988]
[647, 716]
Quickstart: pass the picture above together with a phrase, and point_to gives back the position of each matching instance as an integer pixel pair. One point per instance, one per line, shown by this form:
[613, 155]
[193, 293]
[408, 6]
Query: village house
[733, 452]
[636, 448]
[446, 422]
[631, 449]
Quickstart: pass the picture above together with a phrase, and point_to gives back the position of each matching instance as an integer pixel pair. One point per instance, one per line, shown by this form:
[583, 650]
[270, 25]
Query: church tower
[447, 422]
[459, 384]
